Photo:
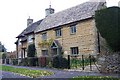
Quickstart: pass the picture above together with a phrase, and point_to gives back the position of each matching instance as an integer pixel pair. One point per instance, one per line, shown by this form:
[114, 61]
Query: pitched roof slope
[79, 12]
[30, 28]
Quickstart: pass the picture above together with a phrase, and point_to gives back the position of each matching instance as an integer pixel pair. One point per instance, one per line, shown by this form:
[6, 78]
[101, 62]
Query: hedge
[108, 24]
[31, 50]
[60, 62]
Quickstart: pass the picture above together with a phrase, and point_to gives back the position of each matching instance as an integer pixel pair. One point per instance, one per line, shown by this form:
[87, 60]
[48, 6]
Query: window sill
[58, 36]
[74, 55]
[72, 33]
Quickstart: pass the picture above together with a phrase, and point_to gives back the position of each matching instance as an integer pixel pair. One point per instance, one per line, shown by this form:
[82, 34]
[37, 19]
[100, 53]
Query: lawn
[27, 72]
[94, 78]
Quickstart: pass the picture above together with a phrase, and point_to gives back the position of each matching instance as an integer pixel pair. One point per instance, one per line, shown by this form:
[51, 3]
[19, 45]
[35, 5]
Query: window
[30, 38]
[44, 52]
[44, 36]
[74, 51]
[73, 29]
[58, 32]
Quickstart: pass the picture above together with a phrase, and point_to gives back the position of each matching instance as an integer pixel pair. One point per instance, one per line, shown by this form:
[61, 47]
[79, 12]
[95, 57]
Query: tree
[108, 24]
[31, 50]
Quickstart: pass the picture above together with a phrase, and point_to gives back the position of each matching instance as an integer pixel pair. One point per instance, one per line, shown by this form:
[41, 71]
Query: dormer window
[73, 29]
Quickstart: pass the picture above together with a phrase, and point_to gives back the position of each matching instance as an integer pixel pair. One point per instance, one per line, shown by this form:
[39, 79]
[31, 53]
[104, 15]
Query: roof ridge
[79, 12]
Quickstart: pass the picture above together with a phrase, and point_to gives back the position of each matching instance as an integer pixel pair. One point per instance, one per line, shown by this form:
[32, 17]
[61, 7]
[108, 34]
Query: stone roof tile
[77, 13]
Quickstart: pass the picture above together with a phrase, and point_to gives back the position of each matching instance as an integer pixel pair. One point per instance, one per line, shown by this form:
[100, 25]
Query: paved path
[11, 75]
[57, 73]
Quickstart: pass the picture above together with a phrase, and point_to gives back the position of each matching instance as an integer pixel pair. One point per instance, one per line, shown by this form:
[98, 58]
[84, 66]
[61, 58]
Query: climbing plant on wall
[108, 24]
[45, 43]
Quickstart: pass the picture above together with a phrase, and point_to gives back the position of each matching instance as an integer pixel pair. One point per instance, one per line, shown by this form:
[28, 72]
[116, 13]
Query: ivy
[108, 24]
[47, 43]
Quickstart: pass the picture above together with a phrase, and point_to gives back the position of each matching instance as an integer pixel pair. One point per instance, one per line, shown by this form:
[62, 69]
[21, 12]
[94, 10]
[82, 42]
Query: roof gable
[77, 13]
[29, 29]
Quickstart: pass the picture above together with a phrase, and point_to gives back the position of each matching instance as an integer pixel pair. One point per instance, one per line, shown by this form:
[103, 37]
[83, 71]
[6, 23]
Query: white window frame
[30, 38]
[46, 54]
[74, 51]
[58, 32]
[73, 29]
[44, 36]
[19, 41]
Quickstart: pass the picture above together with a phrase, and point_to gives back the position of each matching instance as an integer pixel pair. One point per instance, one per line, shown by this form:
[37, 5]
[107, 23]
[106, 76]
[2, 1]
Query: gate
[83, 62]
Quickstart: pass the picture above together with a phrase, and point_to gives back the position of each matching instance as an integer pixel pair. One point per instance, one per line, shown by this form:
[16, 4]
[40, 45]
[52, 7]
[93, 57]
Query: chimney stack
[49, 11]
[29, 21]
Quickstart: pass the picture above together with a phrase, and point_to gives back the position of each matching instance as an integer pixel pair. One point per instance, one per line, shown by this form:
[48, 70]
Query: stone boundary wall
[110, 63]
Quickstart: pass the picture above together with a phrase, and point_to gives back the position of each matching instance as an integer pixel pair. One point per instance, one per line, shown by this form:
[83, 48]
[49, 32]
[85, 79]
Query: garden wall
[110, 63]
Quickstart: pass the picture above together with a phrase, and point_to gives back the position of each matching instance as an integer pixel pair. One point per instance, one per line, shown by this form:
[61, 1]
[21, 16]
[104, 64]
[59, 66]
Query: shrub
[56, 62]
[60, 62]
[24, 62]
[31, 50]
[33, 61]
[15, 61]
[108, 24]
[4, 56]
[7, 61]
[64, 63]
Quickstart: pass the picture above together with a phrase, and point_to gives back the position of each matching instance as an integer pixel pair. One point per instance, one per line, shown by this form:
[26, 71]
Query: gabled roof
[77, 13]
[29, 29]
[32, 27]
[55, 44]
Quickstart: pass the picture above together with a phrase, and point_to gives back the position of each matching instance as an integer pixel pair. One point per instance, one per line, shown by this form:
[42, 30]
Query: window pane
[44, 36]
[74, 50]
[58, 32]
[30, 38]
[44, 52]
[73, 29]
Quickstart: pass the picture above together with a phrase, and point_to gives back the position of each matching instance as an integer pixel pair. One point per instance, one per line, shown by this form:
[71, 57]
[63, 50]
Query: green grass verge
[0, 67]
[94, 78]
[27, 72]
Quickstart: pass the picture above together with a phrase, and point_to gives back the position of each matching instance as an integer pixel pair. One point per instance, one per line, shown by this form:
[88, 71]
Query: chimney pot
[29, 21]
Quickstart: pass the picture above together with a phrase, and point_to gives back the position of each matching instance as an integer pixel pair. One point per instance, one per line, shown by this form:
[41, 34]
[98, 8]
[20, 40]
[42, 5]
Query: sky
[14, 15]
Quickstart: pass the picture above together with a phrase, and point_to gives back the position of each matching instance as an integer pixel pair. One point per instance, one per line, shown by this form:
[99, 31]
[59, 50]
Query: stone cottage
[25, 38]
[71, 31]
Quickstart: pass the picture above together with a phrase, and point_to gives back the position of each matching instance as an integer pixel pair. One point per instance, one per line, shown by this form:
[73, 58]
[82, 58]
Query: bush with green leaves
[60, 62]
[108, 24]
[3, 57]
[31, 50]
[15, 61]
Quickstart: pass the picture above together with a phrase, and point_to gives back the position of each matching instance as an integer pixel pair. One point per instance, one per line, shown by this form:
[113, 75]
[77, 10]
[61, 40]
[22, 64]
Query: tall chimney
[29, 21]
[49, 11]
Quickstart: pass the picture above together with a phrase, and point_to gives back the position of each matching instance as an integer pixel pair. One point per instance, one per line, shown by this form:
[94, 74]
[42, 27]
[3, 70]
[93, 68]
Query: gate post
[68, 61]
[90, 62]
[83, 62]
